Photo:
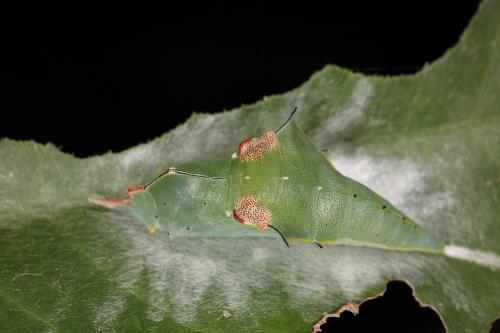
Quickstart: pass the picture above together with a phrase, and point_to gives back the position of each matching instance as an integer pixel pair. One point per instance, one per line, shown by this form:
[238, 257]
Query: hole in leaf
[396, 310]
[495, 327]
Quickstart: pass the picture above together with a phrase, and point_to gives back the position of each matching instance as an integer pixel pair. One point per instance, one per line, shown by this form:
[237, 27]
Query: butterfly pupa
[278, 185]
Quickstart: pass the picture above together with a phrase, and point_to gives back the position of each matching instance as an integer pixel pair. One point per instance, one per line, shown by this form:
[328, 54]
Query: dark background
[91, 84]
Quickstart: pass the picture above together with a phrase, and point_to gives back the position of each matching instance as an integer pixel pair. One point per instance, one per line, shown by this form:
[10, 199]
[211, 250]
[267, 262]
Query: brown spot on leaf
[352, 308]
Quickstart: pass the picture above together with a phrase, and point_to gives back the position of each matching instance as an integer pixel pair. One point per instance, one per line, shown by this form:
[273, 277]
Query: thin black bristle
[279, 232]
[287, 121]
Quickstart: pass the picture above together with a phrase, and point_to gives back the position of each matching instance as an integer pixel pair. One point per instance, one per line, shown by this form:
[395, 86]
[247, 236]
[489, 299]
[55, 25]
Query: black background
[91, 83]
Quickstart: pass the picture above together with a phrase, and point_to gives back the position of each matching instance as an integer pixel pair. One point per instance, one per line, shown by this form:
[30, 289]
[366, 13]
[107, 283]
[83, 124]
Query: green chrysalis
[277, 184]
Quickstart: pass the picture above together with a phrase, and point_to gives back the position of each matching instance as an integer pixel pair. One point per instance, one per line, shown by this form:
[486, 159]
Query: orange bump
[151, 230]
[253, 148]
[248, 211]
[112, 203]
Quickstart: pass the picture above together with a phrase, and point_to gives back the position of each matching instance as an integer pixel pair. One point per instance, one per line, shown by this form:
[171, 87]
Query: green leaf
[427, 142]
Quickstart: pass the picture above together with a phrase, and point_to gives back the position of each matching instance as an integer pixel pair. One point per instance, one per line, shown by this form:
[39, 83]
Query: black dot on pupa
[156, 216]
[354, 195]
[384, 207]
[164, 204]
[204, 204]
[188, 228]
[404, 218]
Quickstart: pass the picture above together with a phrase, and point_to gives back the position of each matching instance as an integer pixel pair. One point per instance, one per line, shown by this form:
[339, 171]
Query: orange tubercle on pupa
[248, 211]
[253, 148]
[237, 217]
